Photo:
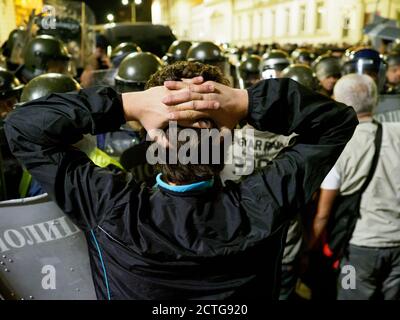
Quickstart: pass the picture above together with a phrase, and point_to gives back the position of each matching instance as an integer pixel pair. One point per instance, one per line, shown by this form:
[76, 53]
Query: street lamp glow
[125, 2]
[138, 2]
[110, 17]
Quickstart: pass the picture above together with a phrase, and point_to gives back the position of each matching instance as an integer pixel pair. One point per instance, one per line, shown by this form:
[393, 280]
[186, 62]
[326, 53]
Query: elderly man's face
[393, 74]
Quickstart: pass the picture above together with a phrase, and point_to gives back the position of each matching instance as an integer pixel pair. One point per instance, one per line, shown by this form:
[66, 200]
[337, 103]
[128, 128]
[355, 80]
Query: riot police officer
[249, 71]
[365, 60]
[301, 73]
[44, 54]
[127, 144]
[273, 63]
[133, 73]
[209, 53]
[12, 48]
[327, 68]
[10, 171]
[135, 70]
[121, 51]
[392, 85]
[39, 87]
[10, 90]
[368, 61]
[303, 56]
[177, 51]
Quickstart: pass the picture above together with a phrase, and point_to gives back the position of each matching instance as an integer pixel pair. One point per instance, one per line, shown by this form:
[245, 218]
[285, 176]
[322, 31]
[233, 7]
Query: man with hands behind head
[191, 240]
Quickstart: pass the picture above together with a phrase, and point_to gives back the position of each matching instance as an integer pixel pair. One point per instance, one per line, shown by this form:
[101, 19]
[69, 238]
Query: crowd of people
[202, 231]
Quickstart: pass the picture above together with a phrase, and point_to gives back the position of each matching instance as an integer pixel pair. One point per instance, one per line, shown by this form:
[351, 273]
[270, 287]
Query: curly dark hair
[186, 70]
[189, 173]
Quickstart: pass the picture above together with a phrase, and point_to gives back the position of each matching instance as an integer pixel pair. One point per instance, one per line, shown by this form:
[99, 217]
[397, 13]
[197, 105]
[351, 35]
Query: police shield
[100, 78]
[388, 108]
[72, 24]
[43, 255]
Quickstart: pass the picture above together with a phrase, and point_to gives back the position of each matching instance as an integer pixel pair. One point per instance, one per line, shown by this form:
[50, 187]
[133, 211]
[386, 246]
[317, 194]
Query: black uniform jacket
[223, 242]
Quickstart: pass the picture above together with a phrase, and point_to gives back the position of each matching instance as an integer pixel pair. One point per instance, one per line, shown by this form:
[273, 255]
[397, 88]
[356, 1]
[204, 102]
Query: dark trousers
[377, 274]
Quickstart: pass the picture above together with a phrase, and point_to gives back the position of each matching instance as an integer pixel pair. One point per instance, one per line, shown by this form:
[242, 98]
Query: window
[287, 20]
[321, 10]
[346, 27]
[302, 18]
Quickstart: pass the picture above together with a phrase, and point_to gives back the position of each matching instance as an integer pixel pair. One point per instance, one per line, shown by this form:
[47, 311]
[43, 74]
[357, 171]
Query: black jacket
[211, 244]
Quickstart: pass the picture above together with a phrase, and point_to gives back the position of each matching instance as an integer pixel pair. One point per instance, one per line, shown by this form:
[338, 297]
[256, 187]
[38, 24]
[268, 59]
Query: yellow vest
[98, 157]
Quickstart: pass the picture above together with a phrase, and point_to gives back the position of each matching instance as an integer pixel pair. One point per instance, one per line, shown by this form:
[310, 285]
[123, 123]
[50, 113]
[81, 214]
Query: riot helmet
[10, 90]
[301, 73]
[393, 68]
[9, 84]
[177, 51]
[303, 56]
[364, 60]
[249, 71]
[45, 54]
[13, 47]
[121, 51]
[273, 63]
[209, 53]
[135, 70]
[48, 83]
[327, 69]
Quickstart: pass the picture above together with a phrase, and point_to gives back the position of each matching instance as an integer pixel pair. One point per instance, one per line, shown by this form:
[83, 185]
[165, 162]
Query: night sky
[121, 13]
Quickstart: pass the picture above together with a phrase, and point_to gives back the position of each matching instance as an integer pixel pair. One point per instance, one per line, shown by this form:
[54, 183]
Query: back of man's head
[204, 167]
[358, 91]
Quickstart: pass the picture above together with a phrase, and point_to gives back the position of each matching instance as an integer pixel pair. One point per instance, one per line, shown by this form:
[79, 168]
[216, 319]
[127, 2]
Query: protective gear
[15, 36]
[303, 56]
[363, 60]
[48, 83]
[9, 85]
[273, 63]
[177, 51]
[327, 66]
[40, 52]
[13, 47]
[301, 73]
[39, 87]
[122, 50]
[392, 85]
[135, 70]
[249, 71]
[209, 53]
[392, 59]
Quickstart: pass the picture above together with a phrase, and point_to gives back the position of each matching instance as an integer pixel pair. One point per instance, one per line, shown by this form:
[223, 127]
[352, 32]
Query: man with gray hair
[374, 247]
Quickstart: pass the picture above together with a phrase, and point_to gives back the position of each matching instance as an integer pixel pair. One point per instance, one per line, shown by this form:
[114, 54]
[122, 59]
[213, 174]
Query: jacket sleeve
[41, 133]
[324, 127]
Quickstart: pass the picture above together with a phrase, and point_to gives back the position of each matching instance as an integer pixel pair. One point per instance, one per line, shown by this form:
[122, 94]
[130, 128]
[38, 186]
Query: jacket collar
[197, 186]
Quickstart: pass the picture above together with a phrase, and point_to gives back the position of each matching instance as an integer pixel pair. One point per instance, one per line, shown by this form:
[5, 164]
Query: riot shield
[73, 25]
[92, 78]
[3, 193]
[388, 108]
[43, 255]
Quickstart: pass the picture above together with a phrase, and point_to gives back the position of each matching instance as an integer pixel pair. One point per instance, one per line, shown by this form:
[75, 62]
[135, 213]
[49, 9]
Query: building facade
[244, 22]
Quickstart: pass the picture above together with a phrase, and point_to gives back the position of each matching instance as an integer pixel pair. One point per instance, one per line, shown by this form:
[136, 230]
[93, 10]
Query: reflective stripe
[102, 159]
[98, 157]
[24, 183]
